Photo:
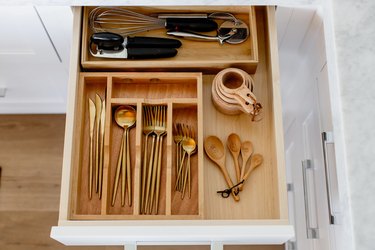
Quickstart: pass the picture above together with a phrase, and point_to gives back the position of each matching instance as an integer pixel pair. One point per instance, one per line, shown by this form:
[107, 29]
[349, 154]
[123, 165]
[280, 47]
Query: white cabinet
[34, 56]
[311, 170]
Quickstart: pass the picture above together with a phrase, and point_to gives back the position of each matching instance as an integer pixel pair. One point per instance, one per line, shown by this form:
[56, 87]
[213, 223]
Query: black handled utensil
[112, 41]
[126, 22]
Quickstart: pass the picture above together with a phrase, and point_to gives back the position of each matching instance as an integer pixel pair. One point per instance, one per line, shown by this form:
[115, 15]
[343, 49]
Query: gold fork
[178, 140]
[148, 128]
[159, 130]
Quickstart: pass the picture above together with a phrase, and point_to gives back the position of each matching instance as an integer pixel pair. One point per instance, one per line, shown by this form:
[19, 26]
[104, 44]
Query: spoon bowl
[215, 151]
[125, 116]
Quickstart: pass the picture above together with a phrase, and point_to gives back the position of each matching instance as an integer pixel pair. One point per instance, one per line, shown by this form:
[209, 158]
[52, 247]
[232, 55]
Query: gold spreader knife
[92, 111]
[98, 106]
[101, 155]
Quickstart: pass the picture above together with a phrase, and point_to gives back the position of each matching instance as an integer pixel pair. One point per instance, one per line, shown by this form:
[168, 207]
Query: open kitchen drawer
[260, 217]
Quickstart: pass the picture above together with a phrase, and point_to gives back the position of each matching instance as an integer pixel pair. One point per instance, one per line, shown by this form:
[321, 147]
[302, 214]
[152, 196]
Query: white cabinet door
[306, 113]
[31, 67]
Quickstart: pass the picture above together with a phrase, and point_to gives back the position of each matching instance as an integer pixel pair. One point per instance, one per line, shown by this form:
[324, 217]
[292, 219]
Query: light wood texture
[30, 157]
[260, 199]
[135, 89]
[263, 202]
[202, 55]
[31, 149]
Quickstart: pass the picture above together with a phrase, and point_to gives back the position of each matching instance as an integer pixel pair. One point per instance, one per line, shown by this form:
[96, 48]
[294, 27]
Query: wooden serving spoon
[246, 152]
[215, 151]
[256, 161]
[234, 146]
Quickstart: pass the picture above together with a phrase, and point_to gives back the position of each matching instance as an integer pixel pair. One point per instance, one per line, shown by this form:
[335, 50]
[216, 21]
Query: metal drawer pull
[327, 138]
[312, 233]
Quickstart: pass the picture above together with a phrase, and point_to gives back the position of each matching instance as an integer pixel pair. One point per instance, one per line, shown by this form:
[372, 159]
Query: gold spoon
[125, 117]
[246, 152]
[189, 145]
[234, 146]
[215, 151]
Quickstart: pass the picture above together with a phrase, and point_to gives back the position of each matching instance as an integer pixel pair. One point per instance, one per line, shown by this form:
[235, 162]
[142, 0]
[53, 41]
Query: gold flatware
[98, 107]
[161, 130]
[178, 140]
[125, 117]
[190, 146]
[157, 120]
[101, 155]
[92, 112]
[148, 128]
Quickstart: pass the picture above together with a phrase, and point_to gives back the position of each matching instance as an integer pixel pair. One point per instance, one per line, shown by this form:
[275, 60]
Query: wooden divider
[178, 98]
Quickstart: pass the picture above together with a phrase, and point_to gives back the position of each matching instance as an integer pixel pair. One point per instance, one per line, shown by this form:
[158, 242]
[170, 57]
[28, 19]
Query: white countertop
[354, 36]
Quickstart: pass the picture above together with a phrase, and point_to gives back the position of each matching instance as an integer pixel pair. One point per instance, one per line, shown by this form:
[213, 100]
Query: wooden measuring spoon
[234, 146]
[256, 161]
[246, 152]
[215, 151]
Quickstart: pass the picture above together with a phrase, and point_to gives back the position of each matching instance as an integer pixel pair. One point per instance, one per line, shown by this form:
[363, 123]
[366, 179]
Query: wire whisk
[121, 21]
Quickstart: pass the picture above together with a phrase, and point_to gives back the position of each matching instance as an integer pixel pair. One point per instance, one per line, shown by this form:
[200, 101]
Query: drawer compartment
[140, 91]
[192, 55]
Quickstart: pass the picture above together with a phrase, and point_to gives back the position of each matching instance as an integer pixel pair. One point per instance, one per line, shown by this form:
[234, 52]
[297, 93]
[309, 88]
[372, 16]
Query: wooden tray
[182, 94]
[193, 55]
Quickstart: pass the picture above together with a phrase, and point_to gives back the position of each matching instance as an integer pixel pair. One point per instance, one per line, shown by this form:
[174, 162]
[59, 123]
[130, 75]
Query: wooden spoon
[234, 146]
[215, 151]
[246, 152]
[256, 161]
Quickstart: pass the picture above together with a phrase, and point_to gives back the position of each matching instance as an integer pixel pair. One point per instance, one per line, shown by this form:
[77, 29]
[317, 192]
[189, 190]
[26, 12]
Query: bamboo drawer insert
[180, 94]
[187, 98]
[193, 55]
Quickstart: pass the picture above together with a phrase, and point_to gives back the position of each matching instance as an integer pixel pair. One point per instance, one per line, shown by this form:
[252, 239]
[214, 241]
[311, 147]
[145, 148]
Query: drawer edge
[159, 235]
[70, 114]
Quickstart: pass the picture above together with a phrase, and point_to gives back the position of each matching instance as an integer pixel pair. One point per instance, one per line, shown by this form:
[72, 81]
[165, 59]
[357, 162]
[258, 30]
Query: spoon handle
[117, 176]
[123, 170]
[128, 168]
[158, 174]
[144, 169]
[237, 167]
[154, 170]
[229, 182]
[149, 175]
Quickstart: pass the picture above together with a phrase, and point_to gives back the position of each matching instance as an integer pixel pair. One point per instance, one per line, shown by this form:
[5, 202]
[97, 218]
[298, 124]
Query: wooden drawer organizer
[181, 93]
[189, 56]
[260, 217]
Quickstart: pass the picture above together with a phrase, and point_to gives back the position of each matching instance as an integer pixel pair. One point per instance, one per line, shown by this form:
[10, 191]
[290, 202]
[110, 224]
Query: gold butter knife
[98, 106]
[92, 111]
[101, 155]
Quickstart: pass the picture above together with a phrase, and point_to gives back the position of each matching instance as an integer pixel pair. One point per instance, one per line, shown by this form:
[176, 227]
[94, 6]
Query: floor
[31, 150]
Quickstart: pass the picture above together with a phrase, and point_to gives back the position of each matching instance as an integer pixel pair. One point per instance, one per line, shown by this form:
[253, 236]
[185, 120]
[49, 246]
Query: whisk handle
[151, 53]
[191, 24]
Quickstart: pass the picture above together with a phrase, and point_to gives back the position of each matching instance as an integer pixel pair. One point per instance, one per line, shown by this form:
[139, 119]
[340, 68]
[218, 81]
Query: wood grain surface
[31, 149]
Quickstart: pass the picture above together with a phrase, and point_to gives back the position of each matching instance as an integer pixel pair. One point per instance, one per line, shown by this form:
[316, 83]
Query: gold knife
[101, 155]
[92, 111]
[98, 106]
